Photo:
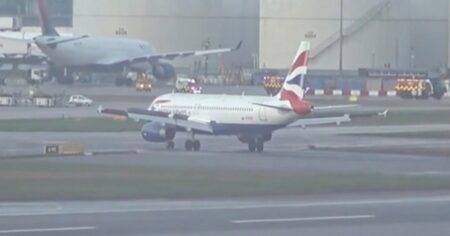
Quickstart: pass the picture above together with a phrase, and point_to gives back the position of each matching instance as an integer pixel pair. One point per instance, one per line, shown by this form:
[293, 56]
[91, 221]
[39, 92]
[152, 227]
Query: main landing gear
[190, 145]
[256, 145]
[170, 145]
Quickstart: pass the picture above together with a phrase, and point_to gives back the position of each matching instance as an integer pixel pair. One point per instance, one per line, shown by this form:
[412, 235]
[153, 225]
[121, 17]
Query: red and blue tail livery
[292, 90]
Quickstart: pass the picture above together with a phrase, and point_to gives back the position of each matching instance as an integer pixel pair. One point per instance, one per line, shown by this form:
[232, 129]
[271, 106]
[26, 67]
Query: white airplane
[85, 53]
[252, 119]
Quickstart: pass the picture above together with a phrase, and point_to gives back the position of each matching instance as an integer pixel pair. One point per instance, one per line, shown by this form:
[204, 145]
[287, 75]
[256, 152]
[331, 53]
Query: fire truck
[143, 83]
[414, 88]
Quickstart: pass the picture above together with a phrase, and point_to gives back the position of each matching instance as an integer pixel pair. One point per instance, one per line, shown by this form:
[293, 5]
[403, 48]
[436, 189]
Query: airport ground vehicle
[273, 84]
[252, 119]
[36, 75]
[420, 88]
[80, 100]
[187, 85]
[143, 83]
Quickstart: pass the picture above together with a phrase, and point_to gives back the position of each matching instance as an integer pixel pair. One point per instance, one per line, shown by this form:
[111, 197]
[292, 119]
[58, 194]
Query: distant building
[62, 11]
[397, 34]
[401, 34]
[378, 33]
[173, 25]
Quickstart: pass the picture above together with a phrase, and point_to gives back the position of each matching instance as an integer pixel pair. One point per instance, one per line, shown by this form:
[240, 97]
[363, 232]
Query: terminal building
[395, 34]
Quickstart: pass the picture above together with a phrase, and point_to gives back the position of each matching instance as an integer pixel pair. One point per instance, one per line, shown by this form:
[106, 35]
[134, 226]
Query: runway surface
[289, 150]
[313, 152]
[407, 213]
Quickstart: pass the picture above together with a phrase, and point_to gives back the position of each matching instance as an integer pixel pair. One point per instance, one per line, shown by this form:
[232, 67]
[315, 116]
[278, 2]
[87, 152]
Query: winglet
[239, 45]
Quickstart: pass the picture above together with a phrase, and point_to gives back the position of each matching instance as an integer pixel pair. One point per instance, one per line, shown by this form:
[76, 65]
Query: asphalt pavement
[408, 213]
[350, 213]
[124, 97]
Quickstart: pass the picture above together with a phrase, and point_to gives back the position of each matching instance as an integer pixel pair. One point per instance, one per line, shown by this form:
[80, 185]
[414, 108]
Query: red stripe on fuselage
[300, 107]
[301, 60]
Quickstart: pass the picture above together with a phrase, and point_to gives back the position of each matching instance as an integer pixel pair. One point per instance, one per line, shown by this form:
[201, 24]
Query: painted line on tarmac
[139, 207]
[428, 173]
[20, 231]
[304, 219]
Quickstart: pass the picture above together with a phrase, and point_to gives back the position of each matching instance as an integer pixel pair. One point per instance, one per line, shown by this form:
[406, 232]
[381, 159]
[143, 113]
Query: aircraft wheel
[196, 145]
[170, 145]
[189, 145]
[259, 145]
[252, 146]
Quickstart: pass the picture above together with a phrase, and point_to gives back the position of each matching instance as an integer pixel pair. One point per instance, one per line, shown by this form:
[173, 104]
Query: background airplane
[84, 53]
[252, 119]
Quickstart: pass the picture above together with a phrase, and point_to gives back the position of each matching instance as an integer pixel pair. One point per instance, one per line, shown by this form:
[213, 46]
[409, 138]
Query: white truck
[10, 24]
[36, 75]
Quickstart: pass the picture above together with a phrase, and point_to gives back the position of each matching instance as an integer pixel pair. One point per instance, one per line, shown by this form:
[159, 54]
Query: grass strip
[68, 125]
[37, 180]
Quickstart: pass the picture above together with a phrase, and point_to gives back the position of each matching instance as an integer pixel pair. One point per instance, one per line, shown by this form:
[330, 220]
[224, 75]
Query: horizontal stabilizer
[303, 123]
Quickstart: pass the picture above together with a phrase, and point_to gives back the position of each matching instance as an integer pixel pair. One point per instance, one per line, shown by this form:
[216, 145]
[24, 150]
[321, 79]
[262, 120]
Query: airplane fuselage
[91, 51]
[230, 114]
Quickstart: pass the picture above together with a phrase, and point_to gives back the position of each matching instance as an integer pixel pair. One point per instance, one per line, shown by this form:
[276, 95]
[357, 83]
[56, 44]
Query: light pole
[341, 38]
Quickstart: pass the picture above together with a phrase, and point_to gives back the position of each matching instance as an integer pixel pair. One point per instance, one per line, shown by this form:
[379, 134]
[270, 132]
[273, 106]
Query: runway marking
[17, 231]
[428, 173]
[304, 219]
[208, 206]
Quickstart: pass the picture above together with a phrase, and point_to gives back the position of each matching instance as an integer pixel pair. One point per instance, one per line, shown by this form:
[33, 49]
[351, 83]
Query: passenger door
[262, 114]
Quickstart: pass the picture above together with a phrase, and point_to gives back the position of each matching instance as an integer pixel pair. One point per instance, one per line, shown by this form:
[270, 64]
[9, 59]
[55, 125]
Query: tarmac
[407, 213]
[126, 97]
[349, 213]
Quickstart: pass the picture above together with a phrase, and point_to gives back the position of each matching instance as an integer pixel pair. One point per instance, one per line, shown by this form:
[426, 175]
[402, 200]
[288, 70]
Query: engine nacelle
[248, 138]
[157, 133]
[164, 71]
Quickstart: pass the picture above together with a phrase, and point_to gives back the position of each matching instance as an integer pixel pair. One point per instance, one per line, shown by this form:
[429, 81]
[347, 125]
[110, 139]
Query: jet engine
[156, 132]
[164, 71]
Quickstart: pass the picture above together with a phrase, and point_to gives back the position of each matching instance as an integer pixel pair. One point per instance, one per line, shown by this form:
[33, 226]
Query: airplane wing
[167, 56]
[18, 37]
[33, 59]
[182, 121]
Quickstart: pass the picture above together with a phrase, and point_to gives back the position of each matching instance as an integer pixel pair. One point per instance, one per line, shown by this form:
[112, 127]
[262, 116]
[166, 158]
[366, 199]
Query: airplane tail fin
[292, 90]
[46, 25]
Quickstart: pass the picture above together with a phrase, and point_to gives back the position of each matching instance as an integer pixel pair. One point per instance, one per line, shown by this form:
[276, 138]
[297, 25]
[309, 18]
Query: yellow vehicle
[273, 84]
[143, 83]
[420, 88]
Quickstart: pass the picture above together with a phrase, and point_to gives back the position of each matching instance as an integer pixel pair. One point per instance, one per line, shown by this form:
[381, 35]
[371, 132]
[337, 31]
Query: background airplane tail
[292, 90]
[46, 25]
